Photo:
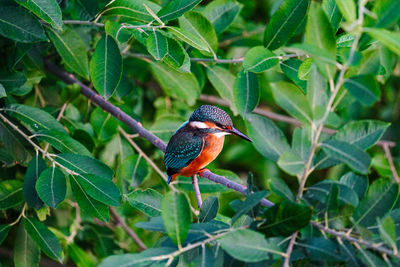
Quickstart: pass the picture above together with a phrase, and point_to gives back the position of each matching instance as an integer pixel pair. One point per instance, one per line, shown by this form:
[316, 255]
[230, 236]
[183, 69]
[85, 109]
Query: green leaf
[363, 88]
[157, 45]
[362, 133]
[134, 10]
[84, 164]
[370, 259]
[99, 188]
[320, 191]
[316, 93]
[222, 13]
[144, 258]
[319, 33]
[280, 188]
[291, 99]
[380, 198]
[175, 9]
[209, 209]
[189, 38]
[62, 142]
[47, 10]
[348, 9]
[71, 48]
[267, 138]
[198, 25]
[247, 245]
[249, 203]
[291, 163]
[106, 66]
[223, 81]
[322, 249]
[387, 231]
[51, 186]
[3, 232]
[301, 143]
[349, 154]
[87, 204]
[35, 168]
[259, 59]
[332, 12]
[177, 217]
[35, 118]
[284, 23]
[176, 55]
[10, 194]
[18, 24]
[176, 84]
[389, 39]
[246, 93]
[12, 80]
[291, 69]
[79, 256]
[356, 182]
[26, 252]
[387, 13]
[147, 201]
[104, 124]
[45, 239]
[118, 31]
[133, 170]
[14, 147]
[285, 218]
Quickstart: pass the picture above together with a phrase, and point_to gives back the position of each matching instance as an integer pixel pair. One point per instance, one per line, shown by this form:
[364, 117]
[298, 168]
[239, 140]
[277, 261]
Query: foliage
[314, 84]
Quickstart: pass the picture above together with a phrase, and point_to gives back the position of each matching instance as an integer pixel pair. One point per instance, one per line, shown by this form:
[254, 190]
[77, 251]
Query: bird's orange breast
[212, 147]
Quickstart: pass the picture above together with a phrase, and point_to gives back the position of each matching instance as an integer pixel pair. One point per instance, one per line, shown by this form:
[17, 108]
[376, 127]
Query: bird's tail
[171, 178]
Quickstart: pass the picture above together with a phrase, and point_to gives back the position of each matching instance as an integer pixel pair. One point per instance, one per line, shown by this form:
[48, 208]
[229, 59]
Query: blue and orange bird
[198, 141]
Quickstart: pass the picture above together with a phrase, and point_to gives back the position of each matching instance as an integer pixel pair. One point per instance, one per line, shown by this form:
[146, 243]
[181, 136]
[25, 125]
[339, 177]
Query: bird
[198, 141]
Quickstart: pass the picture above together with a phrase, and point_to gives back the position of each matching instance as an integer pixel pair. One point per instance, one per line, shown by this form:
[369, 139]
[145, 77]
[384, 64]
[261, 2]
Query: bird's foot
[202, 170]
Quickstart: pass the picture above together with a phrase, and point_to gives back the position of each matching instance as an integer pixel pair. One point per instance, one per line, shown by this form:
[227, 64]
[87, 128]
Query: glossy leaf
[316, 93]
[379, 200]
[222, 13]
[79, 256]
[198, 25]
[47, 10]
[320, 191]
[99, 188]
[259, 59]
[280, 188]
[3, 232]
[285, 218]
[209, 209]
[45, 239]
[356, 182]
[387, 231]
[364, 88]
[284, 23]
[10, 194]
[51, 186]
[62, 142]
[332, 12]
[26, 252]
[35, 118]
[348, 9]
[175, 9]
[267, 138]
[190, 38]
[389, 39]
[247, 245]
[157, 45]
[176, 55]
[147, 201]
[176, 84]
[87, 204]
[349, 154]
[251, 201]
[246, 93]
[36, 166]
[18, 24]
[290, 98]
[177, 217]
[133, 170]
[134, 10]
[104, 124]
[291, 163]
[71, 48]
[106, 66]
[291, 68]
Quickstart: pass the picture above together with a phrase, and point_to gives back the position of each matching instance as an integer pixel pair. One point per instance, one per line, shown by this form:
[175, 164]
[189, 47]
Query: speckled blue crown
[211, 114]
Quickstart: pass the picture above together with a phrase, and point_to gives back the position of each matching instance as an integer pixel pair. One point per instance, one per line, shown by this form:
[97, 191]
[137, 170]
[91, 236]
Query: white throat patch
[198, 124]
[220, 134]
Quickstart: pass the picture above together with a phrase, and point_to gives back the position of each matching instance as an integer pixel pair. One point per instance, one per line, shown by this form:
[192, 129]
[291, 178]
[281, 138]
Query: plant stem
[197, 190]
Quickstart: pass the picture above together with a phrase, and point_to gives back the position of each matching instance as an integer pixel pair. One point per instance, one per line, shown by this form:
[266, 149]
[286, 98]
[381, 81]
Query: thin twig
[59, 116]
[349, 238]
[197, 190]
[128, 230]
[391, 163]
[289, 250]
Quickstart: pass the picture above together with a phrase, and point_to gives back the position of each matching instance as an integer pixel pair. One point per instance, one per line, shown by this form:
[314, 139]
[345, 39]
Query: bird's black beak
[238, 133]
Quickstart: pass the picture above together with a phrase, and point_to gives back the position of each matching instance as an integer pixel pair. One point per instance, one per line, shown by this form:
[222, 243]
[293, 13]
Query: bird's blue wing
[182, 149]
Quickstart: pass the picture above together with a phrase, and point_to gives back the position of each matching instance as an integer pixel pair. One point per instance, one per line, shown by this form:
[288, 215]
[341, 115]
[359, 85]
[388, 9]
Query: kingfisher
[198, 141]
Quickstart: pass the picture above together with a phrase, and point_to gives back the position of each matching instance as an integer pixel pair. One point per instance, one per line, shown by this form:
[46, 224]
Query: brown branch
[389, 157]
[197, 191]
[263, 110]
[290, 249]
[128, 230]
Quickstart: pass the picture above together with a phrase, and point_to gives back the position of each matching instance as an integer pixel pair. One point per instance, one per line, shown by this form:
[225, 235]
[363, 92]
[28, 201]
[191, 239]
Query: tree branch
[137, 126]
[389, 157]
[290, 249]
[128, 230]
[197, 190]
